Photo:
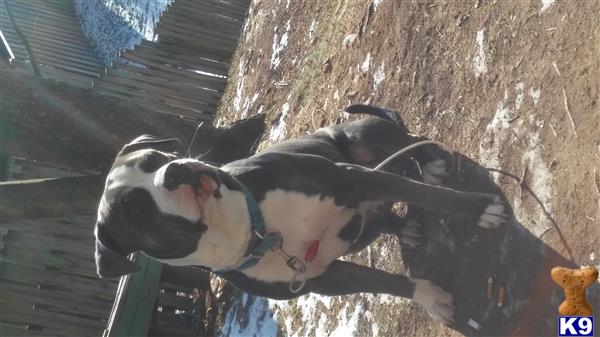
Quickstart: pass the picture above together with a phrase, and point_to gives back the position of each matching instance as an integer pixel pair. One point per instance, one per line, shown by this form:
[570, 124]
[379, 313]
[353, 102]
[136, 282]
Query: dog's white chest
[301, 220]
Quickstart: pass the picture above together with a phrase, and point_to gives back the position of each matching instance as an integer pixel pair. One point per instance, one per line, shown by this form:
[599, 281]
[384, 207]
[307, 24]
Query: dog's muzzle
[186, 173]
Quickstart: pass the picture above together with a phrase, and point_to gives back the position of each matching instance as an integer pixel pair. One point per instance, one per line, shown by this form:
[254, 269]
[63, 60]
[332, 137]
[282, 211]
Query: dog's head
[152, 202]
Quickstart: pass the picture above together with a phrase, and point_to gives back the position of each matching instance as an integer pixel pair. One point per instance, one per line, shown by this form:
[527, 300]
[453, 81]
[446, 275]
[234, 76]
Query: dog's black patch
[352, 229]
[136, 223]
[152, 161]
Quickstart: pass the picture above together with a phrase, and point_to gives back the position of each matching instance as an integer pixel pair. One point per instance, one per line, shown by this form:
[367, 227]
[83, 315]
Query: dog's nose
[177, 174]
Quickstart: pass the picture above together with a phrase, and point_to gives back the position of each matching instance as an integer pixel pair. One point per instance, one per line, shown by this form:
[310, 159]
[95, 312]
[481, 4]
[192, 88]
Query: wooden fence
[47, 271]
[46, 36]
[48, 280]
[185, 71]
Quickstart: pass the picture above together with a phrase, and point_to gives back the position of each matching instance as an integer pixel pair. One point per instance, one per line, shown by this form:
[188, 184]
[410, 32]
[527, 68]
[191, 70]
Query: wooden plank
[202, 39]
[76, 284]
[186, 61]
[204, 115]
[43, 258]
[150, 100]
[53, 226]
[40, 8]
[202, 23]
[167, 43]
[59, 75]
[213, 8]
[160, 57]
[152, 104]
[190, 76]
[66, 58]
[78, 71]
[80, 219]
[53, 32]
[63, 304]
[167, 299]
[84, 301]
[71, 227]
[174, 286]
[207, 18]
[63, 75]
[170, 23]
[74, 326]
[63, 8]
[153, 82]
[206, 44]
[198, 88]
[67, 46]
[27, 16]
[83, 249]
[20, 330]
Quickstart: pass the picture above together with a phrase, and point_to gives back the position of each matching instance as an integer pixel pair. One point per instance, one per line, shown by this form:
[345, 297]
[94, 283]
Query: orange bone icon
[574, 282]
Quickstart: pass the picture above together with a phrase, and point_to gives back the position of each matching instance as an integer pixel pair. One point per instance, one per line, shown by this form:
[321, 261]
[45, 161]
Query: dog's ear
[152, 142]
[110, 263]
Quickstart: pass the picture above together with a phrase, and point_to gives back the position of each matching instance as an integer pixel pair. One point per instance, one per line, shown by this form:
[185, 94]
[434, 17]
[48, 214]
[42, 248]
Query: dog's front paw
[409, 234]
[494, 215]
[435, 172]
[435, 300]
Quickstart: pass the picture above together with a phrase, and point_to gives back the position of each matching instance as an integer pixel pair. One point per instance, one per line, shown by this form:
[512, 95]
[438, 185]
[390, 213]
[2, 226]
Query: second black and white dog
[186, 212]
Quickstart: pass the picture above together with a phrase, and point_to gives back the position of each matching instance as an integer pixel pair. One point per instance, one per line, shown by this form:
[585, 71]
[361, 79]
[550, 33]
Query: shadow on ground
[461, 258]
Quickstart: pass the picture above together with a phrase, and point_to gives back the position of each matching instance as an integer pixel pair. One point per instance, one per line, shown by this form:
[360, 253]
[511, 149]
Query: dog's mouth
[206, 184]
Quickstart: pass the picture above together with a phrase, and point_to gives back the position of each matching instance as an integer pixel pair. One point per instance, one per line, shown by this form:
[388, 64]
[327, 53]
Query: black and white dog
[186, 212]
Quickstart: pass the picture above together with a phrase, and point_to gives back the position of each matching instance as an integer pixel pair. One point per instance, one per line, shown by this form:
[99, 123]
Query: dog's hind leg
[407, 230]
[382, 137]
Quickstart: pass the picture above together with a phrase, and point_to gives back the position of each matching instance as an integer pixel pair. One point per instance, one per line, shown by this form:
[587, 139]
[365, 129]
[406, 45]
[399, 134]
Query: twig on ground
[530, 16]
[553, 131]
[569, 111]
[522, 183]
[414, 75]
[556, 67]
[519, 63]
[544, 232]
[514, 118]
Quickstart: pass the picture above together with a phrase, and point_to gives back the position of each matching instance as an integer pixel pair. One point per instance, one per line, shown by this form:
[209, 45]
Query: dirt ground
[513, 85]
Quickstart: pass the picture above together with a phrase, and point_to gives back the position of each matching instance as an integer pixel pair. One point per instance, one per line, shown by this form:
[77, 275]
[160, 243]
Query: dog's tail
[382, 113]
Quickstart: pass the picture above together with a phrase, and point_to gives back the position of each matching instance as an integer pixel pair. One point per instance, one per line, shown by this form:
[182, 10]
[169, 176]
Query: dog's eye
[153, 161]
